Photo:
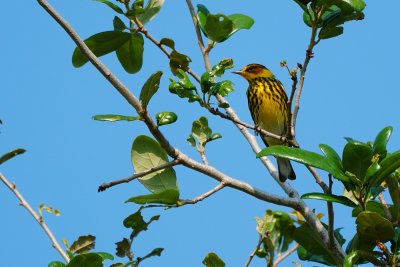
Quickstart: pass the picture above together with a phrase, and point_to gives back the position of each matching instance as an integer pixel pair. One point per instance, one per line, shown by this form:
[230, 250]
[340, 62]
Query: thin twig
[38, 218]
[253, 253]
[104, 186]
[309, 55]
[292, 201]
[318, 178]
[331, 216]
[183, 202]
[285, 255]
[146, 33]
[204, 51]
[385, 207]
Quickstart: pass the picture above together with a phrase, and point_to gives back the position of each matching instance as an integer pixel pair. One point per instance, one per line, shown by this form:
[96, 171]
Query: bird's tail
[285, 170]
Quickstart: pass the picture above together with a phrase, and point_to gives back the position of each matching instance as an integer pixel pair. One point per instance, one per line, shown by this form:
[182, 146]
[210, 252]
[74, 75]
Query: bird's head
[252, 71]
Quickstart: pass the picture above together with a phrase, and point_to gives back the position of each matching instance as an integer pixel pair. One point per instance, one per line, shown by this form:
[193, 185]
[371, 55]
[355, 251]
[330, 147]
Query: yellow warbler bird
[267, 101]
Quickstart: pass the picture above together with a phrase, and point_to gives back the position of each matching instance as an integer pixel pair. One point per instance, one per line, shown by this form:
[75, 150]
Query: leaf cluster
[365, 170]
[329, 15]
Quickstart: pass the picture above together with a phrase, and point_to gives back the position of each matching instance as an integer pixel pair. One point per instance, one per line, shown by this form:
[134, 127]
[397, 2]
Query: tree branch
[38, 218]
[309, 55]
[104, 186]
[331, 216]
[284, 256]
[201, 197]
[253, 253]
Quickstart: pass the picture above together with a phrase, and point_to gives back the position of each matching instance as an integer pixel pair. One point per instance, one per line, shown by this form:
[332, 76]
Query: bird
[267, 101]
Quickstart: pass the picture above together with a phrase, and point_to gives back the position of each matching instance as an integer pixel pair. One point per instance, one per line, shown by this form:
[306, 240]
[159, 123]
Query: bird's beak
[237, 72]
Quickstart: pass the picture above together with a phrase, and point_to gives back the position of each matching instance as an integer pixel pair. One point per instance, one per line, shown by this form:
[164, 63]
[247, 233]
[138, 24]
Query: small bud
[283, 63]
[299, 66]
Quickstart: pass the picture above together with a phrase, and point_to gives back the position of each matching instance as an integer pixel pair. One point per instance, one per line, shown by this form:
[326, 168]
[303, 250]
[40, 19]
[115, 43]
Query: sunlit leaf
[168, 197]
[113, 117]
[146, 154]
[330, 198]
[83, 244]
[166, 117]
[212, 260]
[150, 11]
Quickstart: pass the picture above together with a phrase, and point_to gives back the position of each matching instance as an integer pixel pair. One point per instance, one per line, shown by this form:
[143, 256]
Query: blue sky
[46, 106]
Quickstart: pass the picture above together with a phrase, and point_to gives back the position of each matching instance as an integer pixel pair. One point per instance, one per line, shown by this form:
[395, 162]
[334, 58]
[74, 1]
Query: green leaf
[168, 197]
[178, 61]
[218, 27]
[150, 11]
[150, 88]
[330, 198]
[332, 155]
[304, 255]
[357, 5]
[212, 260]
[223, 88]
[372, 227]
[220, 68]
[87, 260]
[11, 154]
[166, 117]
[168, 42]
[105, 256]
[393, 186]
[381, 141]
[184, 88]
[130, 54]
[56, 264]
[201, 131]
[207, 81]
[118, 24]
[214, 136]
[388, 165]
[305, 157]
[330, 32]
[112, 5]
[280, 227]
[83, 244]
[146, 154]
[136, 222]
[202, 13]
[191, 140]
[123, 248]
[357, 157]
[311, 246]
[373, 206]
[303, 4]
[100, 44]
[113, 117]
[351, 259]
[154, 252]
[240, 22]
